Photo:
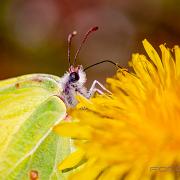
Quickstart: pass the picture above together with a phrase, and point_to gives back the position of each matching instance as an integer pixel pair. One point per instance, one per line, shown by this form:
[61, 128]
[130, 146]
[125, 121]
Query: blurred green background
[33, 33]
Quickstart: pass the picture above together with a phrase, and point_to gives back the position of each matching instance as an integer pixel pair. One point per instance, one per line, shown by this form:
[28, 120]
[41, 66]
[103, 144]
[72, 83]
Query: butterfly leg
[93, 89]
[90, 94]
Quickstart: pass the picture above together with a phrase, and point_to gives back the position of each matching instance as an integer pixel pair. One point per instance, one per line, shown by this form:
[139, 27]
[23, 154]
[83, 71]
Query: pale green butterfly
[30, 106]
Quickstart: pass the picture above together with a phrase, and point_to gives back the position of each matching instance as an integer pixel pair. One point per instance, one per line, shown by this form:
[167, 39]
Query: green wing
[28, 111]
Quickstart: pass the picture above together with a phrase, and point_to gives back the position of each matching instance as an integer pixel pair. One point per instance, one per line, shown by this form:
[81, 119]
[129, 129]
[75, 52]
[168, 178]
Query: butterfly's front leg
[93, 89]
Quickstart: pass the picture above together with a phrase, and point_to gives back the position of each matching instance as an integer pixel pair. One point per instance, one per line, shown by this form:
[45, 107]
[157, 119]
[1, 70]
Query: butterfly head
[77, 75]
[72, 82]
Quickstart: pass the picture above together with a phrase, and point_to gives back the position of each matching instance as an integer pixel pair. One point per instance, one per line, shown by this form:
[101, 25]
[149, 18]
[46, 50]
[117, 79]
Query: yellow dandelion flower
[135, 133]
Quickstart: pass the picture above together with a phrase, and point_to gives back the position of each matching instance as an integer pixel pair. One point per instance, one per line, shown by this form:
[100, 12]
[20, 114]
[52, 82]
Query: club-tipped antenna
[83, 41]
[70, 36]
[115, 64]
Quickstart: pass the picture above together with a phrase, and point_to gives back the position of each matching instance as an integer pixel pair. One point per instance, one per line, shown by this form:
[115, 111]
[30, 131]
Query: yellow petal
[73, 130]
[92, 169]
[84, 102]
[72, 160]
[154, 57]
[144, 70]
[169, 65]
[177, 57]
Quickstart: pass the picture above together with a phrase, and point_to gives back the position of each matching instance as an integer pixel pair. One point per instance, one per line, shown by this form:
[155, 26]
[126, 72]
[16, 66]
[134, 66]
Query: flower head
[135, 132]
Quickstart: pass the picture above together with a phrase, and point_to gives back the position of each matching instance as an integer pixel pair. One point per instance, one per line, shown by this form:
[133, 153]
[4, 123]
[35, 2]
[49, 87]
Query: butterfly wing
[28, 111]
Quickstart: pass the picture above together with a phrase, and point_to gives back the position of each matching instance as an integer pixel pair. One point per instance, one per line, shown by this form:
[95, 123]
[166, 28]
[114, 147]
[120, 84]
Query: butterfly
[30, 106]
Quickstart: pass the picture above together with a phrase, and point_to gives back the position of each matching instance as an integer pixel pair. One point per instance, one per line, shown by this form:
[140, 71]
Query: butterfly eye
[74, 76]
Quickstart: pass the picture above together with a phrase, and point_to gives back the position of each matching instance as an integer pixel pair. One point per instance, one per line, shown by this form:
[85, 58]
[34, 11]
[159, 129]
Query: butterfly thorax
[73, 83]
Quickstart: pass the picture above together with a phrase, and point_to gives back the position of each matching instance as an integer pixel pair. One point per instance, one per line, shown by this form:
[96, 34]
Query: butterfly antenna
[109, 61]
[83, 41]
[70, 36]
